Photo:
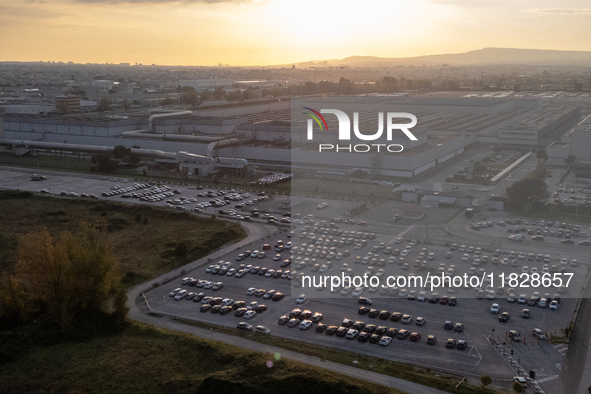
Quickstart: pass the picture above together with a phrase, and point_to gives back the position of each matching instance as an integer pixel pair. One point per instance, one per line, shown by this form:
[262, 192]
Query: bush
[485, 380]
[138, 218]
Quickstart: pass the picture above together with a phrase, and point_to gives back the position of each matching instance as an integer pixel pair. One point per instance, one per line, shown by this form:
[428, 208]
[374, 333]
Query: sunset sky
[263, 32]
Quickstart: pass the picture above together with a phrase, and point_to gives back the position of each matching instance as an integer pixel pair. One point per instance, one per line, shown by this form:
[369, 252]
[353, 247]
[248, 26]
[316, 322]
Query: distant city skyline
[271, 32]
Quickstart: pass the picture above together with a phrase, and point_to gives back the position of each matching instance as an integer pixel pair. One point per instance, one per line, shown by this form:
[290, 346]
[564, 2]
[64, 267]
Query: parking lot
[370, 251]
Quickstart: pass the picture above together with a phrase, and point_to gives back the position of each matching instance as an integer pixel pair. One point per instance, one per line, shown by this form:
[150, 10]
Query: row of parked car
[225, 269]
[363, 332]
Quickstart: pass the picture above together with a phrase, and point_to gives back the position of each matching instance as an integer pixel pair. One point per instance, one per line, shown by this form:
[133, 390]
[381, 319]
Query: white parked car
[250, 314]
[173, 293]
[305, 324]
[262, 330]
[495, 308]
[301, 299]
[227, 301]
[357, 292]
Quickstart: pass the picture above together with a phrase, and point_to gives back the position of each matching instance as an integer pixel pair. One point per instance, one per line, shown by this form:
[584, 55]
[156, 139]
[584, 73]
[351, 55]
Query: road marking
[561, 348]
[546, 379]
[409, 228]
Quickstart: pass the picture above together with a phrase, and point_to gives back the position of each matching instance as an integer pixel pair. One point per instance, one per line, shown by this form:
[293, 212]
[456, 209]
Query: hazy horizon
[274, 32]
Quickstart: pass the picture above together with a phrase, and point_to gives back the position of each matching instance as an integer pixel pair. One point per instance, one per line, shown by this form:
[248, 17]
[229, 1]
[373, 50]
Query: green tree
[526, 191]
[104, 162]
[234, 96]
[104, 104]
[517, 387]
[134, 160]
[218, 93]
[389, 84]
[168, 101]
[528, 209]
[120, 152]
[485, 380]
[248, 93]
[541, 155]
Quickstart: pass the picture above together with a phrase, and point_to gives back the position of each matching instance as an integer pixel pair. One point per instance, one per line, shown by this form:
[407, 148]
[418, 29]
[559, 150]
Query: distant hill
[477, 57]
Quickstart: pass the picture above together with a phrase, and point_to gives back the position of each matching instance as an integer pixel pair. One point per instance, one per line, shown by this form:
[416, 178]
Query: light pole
[427, 223]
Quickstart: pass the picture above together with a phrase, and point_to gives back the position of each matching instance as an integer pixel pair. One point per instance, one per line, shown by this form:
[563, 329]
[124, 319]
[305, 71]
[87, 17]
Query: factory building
[270, 135]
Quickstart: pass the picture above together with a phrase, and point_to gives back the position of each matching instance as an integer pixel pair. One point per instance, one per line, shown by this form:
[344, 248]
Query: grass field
[144, 249]
[418, 375]
[142, 359]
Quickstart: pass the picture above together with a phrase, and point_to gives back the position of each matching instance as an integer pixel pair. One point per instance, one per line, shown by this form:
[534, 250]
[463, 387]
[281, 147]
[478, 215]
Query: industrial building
[269, 135]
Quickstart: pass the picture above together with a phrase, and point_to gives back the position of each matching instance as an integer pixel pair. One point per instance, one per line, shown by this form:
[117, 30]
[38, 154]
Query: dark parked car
[375, 339]
[363, 310]
[451, 343]
[381, 330]
[278, 296]
[504, 317]
[359, 325]
[320, 328]
[364, 301]
[332, 330]
[347, 323]
[373, 313]
[403, 334]
[363, 336]
[238, 305]
[384, 315]
[448, 325]
[198, 297]
[392, 332]
[225, 310]
[396, 316]
[370, 328]
[205, 307]
[260, 308]
[462, 344]
[453, 301]
[341, 332]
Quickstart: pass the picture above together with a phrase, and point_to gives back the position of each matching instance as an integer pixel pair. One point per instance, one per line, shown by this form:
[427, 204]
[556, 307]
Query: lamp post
[427, 223]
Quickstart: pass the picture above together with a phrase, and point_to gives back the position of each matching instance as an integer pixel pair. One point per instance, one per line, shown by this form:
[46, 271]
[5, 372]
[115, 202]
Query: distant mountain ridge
[471, 58]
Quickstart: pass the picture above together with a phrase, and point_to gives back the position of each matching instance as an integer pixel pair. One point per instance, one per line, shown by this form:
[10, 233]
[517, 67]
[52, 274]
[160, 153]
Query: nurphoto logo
[345, 130]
